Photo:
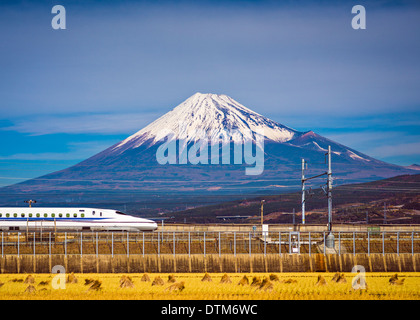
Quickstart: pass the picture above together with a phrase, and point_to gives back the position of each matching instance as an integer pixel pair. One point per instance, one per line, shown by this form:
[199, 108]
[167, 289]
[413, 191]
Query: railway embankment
[43, 263]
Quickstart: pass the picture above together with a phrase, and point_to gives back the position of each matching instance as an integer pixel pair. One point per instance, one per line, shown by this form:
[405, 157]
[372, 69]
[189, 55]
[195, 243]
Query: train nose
[152, 225]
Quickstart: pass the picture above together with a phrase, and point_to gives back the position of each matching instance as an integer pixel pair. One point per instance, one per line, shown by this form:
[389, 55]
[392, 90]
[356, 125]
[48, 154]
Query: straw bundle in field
[255, 282]
[96, 285]
[30, 289]
[321, 281]
[289, 281]
[126, 282]
[158, 281]
[29, 279]
[207, 278]
[225, 279]
[71, 278]
[395, 281]
[177, 286]
[341, 279]
[243, 281]
[145, 278]
[266, 285]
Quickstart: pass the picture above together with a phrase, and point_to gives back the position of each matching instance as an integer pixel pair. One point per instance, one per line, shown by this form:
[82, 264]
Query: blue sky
[68, 94]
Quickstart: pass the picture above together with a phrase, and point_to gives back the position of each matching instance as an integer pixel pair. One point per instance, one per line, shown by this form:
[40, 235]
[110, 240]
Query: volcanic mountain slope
[132, 166]
[351, 203]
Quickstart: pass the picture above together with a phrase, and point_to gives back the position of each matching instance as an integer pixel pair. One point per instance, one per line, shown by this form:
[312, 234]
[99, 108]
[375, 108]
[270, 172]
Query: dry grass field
[187, 286]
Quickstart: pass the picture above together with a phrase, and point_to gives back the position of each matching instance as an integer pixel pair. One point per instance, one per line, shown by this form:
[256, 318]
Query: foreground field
[188, 286]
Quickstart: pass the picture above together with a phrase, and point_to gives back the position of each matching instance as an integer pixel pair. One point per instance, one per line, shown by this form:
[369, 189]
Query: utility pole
[329, 184]
[330, 237]
[262, 212]
[294, 220]
[303, 191]
[30, 202]
[384, 212]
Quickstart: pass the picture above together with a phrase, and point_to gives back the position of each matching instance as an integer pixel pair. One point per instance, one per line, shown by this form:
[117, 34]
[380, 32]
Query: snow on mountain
[413, 167]
[312, 141]
[211, 115]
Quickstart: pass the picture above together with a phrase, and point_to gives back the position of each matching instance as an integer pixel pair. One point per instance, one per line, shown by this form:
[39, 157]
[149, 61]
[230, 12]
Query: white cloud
[380, 144]
[403, 149]
[83, 124]
[77, 151]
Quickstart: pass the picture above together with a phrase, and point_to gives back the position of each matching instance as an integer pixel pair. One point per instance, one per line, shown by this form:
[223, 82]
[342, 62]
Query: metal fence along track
[204, 243]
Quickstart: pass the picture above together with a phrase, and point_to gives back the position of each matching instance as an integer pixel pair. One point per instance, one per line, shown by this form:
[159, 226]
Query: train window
[100, 214]
[119, 212]
[68, 215]
[7, 215]
[22, 215]
[15, 215]
[0, 215]
[82, 215]
[53, 215]
[30, 215]
[45, 215]
[38, 215]
[93, 212]
[75, 215]
[60, 215]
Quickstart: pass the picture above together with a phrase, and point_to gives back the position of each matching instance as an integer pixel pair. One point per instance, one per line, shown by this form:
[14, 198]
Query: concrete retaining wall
[210, 263]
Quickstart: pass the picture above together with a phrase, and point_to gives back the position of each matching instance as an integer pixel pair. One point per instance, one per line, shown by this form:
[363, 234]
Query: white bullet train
[71, 219]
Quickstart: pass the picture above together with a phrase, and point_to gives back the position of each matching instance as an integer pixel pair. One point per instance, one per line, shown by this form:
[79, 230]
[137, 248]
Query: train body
[71, 219]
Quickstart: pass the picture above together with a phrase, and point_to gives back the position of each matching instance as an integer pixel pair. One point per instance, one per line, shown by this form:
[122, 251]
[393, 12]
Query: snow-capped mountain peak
[210, 115]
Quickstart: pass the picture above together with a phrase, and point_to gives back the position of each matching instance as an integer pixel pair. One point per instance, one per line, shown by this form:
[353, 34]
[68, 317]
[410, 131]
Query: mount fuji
[131, 167]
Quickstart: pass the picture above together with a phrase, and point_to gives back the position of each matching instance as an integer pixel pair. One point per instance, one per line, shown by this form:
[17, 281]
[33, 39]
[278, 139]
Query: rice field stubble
[213, 286]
